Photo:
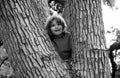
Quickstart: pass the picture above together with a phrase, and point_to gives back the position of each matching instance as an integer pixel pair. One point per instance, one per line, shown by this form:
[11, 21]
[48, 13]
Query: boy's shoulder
[68, 34]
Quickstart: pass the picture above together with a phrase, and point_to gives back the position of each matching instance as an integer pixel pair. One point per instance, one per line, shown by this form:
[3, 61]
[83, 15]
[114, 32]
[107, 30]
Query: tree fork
[29, 48]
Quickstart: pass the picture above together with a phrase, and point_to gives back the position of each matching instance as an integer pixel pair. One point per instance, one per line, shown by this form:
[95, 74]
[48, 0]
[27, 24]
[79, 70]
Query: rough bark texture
[29, 48]
[84, 18]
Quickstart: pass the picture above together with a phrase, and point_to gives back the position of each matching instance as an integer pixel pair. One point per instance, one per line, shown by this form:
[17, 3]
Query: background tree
[29, 48]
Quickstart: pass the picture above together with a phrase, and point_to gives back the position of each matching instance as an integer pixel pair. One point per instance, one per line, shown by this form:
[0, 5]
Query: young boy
[56, 29]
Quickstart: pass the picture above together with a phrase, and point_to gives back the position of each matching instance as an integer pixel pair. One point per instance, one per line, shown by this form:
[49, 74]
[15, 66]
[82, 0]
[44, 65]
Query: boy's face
[56, 28]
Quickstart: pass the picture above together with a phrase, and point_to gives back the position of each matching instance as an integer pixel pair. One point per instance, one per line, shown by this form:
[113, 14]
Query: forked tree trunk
[28, 46]
[84, 18]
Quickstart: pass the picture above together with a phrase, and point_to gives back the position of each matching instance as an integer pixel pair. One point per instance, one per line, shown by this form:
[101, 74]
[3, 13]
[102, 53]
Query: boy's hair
[59, 20]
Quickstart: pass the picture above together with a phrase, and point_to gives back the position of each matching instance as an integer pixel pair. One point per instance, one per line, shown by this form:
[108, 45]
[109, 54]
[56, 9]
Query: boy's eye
[52, 25]
[58, 23]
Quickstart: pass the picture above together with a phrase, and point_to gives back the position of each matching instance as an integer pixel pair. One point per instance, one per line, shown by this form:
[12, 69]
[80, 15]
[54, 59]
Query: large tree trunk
[29, 48]
[84, 18]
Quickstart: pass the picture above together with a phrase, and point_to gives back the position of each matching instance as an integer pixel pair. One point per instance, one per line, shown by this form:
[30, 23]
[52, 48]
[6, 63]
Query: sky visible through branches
[111, 18]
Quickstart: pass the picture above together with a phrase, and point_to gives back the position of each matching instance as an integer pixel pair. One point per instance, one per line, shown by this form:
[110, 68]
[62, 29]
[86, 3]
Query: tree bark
[84, 18]
[29, 48]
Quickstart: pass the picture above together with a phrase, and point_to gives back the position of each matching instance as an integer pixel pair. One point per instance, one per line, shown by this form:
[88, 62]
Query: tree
[84, 18]
[29, 49]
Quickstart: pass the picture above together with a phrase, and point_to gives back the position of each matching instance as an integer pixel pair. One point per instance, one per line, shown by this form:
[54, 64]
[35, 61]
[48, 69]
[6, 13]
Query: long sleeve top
[62, 44]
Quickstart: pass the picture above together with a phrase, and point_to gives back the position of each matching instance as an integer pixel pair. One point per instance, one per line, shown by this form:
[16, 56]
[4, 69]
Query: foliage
[116, 33]
[5, 66]
[110, 3]
[56, 6]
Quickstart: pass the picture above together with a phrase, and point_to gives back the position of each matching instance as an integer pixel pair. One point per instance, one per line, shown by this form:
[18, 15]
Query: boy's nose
[56, 26]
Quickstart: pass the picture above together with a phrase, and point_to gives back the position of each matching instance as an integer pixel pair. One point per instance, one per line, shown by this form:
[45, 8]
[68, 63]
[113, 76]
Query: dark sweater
[62, 44]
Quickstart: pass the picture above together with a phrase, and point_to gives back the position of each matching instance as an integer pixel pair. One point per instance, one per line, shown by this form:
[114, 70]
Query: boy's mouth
[57, 30]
